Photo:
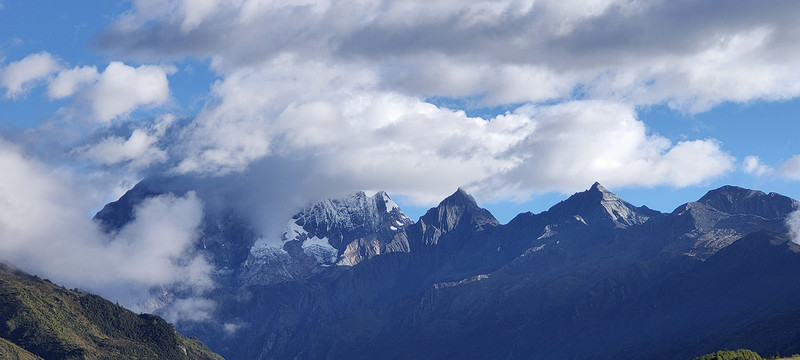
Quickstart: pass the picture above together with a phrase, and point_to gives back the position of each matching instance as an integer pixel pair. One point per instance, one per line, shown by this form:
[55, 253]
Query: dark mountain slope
[592, 277]
[721, 217]
[746, 295]
[40, 319]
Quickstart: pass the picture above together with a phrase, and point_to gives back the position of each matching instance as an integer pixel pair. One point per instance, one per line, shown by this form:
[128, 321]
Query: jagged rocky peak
[340, 231]
[352, 216]
[598, 206]
[736, 200]
[454, 209]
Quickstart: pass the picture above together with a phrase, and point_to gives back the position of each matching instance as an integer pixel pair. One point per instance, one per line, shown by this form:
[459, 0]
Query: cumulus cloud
[45, 231]
[20, 76]
[337, 119]
[122, 88]
[752, 165]
[138, 150]
[115, 92]
[577, 142]
[70, 80]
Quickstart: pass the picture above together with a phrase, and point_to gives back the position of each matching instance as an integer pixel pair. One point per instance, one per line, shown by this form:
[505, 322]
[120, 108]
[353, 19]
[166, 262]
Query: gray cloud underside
[625, 31]
[684, 53]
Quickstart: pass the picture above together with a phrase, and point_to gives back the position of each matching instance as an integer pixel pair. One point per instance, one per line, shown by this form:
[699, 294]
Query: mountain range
[592, 277]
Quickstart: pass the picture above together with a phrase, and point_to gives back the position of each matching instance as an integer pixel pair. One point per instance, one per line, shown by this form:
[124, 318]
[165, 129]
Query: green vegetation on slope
[741, 354]
[40, 319]
[10, 351]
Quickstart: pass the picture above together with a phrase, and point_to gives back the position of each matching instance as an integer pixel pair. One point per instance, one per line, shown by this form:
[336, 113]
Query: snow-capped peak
[325, 228]
[390, 204]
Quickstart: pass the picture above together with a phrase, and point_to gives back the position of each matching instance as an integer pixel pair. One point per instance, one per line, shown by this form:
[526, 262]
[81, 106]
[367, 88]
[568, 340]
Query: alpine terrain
[592, 277]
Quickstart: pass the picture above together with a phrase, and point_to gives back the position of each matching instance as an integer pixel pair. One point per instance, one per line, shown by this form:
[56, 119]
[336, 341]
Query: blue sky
[503, 98]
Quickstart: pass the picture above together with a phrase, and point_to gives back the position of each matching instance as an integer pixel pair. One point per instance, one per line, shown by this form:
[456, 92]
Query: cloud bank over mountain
[45, 230]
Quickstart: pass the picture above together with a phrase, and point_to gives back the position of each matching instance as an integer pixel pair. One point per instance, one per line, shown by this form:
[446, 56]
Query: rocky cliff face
[735, 200]
[600, 207]
[723, 216]
[332, 232]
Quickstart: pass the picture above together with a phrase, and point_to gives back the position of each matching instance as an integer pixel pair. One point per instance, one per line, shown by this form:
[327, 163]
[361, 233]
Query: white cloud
[191, 309]
[752, 165]
[335, 121]
[791, 168]
[576, 143]
[117, 91]
[195, 11]
[137, 149]
[793, 223]
[230, 328]
[121, 89]
[67, 82]
[20, 76]
[162, 231]
[45, 231]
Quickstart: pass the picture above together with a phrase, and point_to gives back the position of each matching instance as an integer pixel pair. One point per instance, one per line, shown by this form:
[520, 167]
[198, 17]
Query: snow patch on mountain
[341, 231]
[321, 250]
[294, 231]
[264, 246]
[548, 232]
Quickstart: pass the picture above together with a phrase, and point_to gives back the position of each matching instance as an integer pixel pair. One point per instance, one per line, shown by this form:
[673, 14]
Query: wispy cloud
[793, 223]
[20, 76]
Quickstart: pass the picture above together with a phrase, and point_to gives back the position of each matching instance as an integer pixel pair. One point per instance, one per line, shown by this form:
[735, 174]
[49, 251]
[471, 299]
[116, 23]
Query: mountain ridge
[534, 285]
